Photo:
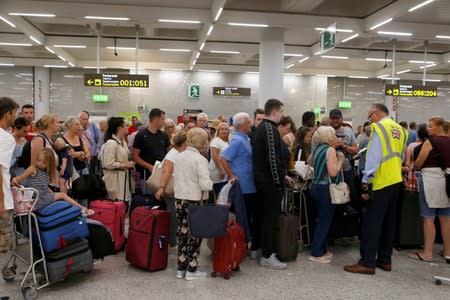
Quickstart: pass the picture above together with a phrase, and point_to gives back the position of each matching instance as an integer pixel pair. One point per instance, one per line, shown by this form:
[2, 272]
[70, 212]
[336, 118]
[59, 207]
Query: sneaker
[195, 275]
[322, 259]
[181, 274]
[272, 263]
[254, 254]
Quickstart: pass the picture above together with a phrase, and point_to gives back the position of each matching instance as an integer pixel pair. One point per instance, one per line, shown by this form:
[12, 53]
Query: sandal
[447, 258]
[416, 256]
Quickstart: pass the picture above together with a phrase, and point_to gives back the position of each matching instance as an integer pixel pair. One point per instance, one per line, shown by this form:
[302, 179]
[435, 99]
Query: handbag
[207, 221]
[339, 193]
[302, 169]
[154, 181]
[442, 166]
[87, 186]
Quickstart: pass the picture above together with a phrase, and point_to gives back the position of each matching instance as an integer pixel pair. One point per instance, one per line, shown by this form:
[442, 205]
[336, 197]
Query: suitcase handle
[161, 240]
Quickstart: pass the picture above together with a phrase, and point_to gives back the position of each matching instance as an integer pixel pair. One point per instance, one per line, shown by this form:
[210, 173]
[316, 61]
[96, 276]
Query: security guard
[383, 171]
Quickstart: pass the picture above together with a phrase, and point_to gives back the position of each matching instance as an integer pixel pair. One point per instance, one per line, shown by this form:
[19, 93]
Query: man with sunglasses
[383, 171]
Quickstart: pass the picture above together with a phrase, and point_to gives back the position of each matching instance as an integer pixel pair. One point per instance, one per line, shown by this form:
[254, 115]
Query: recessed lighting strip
[350, 38]
[394, 33]
[381, 23]
[32, 15]
[8, 22]
[420, 5]
[247, 24]
[179, 21]
[107, 18]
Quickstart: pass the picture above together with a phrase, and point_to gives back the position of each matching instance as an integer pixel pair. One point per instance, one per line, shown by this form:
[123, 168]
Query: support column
[391, 102]
[41, 91]
[271, 65]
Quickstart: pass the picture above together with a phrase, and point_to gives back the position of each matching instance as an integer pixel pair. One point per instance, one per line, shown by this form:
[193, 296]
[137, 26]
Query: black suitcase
[100, 239]
[409, 226]
[346, 222]
[286, 237]
[76, 257]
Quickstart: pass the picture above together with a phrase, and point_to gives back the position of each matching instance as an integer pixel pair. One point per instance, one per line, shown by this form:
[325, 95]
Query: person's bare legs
[63, 185]
[445, 230]
[65, 197]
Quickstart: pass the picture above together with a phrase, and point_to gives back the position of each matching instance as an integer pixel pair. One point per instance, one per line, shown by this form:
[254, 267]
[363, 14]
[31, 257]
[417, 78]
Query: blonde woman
[327, 163]
[218, 144]
[191, 184]
[46, 127]
[169, 128]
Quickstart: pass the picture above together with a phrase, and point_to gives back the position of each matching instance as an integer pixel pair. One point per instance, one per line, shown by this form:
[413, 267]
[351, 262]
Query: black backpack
[24, 161]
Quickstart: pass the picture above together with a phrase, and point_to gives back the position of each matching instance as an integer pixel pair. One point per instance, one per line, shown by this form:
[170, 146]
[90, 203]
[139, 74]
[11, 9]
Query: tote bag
[154, 180]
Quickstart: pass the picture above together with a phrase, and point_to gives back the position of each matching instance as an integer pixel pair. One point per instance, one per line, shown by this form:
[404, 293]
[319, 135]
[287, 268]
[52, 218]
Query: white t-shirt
[172, 155]
[214, 173]
[7, 145]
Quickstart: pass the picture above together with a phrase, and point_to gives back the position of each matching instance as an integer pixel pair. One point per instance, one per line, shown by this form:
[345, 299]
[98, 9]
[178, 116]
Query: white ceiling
[298, 18]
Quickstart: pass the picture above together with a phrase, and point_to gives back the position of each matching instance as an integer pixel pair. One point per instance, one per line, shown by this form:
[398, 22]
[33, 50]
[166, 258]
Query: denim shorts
[425, 211]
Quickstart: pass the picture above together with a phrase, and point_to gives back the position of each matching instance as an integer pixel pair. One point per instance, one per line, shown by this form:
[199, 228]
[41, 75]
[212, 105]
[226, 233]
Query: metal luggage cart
[298, 188]
[25, 200]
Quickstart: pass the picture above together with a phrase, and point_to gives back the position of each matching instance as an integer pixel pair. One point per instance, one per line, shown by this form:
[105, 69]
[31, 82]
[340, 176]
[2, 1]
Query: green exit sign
[194, 91]
[345, 104]
[99, 98]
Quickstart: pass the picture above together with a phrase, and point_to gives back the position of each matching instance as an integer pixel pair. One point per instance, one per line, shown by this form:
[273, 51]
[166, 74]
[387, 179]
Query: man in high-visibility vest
[383, 171]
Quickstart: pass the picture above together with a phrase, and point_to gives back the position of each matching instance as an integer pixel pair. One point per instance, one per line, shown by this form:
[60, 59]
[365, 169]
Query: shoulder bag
[154, 181]
[207, 221]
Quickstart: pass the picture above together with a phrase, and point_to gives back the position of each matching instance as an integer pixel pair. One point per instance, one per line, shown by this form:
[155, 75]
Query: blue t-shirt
[412, 136]
[239, 156]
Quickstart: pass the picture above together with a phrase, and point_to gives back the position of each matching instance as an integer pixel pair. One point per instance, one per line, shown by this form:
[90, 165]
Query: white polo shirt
[7, 145]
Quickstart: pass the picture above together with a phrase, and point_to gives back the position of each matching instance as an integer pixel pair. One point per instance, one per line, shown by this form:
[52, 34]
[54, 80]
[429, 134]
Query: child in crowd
[39, 175]
[65, 164]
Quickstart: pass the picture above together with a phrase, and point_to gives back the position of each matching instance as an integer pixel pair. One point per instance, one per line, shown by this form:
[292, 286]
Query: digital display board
[231, 91]
[116, 80]
[409, 90]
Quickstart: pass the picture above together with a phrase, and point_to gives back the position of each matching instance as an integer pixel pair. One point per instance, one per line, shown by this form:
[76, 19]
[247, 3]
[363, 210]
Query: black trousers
[378, 226]
[272, 195]
[253, 206]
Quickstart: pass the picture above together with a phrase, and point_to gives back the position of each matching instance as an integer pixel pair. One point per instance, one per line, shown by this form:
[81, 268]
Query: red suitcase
[229, 251]
[112, 215]
[147, 245]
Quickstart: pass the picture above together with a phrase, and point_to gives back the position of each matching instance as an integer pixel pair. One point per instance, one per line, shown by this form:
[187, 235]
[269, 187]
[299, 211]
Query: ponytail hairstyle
[113, 125]
[49, 157]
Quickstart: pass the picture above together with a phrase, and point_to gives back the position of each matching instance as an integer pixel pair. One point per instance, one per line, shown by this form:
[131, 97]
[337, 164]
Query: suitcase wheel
[226, 276]
[213, 274]
[237, 269]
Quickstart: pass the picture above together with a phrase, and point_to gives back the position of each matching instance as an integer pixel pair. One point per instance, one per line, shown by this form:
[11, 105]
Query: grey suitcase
[74, 258]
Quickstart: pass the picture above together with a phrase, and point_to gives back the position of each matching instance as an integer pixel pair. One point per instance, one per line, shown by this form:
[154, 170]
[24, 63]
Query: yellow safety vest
[393, 139]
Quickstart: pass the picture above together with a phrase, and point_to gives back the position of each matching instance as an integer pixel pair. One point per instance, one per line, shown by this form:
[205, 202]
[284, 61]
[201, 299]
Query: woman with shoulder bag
[327, 163]
[116, 160]
[191, 185]
[433, 199]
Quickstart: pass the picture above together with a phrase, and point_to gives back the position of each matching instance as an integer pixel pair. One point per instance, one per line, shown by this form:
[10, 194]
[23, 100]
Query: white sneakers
[272, 263]
[195, 275]
[322, 259]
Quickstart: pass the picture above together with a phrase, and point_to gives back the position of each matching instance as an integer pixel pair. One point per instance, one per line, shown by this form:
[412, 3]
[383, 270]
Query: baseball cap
[335, 113]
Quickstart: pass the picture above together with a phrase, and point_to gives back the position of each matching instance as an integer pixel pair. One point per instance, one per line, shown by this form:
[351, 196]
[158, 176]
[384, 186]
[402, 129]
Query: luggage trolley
[25, 200]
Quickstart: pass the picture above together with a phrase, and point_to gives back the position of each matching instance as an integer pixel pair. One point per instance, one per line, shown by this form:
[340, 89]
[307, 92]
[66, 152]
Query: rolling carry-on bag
[229, 251]
[74, 258]
[286, 237]
[112, 215]
[60, 222]
[345, 224]
[409, 227]
[100, 240]
[147, 245]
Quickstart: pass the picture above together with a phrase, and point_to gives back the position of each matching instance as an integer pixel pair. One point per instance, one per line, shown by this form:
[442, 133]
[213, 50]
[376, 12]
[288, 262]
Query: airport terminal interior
[221, 57]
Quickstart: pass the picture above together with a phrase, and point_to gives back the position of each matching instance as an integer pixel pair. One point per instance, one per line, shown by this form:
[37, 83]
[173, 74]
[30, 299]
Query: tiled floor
[114, 278]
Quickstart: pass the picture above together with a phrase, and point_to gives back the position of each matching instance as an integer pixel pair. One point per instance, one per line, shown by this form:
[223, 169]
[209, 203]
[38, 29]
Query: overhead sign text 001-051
[116, 80]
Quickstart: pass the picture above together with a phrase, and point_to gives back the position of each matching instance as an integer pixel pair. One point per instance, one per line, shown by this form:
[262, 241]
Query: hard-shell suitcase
[60, 222]
[346, 223]
[229, 251]
[76, 257]
[100, 240]
[286, 237]
[147, 245]
[409, 229]
[112, 215]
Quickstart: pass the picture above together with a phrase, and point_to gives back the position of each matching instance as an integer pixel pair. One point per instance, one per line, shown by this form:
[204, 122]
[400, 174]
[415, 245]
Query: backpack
[24, 161]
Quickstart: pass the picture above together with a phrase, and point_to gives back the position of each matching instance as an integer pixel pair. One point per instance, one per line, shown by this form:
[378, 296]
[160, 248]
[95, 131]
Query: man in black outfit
[270, 173]
[151, 144]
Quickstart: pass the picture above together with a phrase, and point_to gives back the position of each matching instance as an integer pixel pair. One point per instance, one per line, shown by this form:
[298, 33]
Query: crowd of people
[201, 157]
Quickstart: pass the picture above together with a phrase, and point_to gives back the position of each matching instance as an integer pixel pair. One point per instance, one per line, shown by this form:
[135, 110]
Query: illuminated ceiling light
[49, 50]
[247, 24]
[350, 38]
[61, 58]
[381, 76]
[358, 77]
[8, 22]
[16, 44]
[404, 71]
[7, 65]
[443, 36]
[55, 66]
[394, 33]
[337, 29]
[25, 74]
[218, 14]
[211, 27]
[202, 46]
[32, 15]
[433, 80]
[174, 50]
[378, 59]
[71, 64]
[212, 71]
[198, 55]
[420, 62]
[224, 52]
[107, 18]
[252, 72]
[73, 76]
[334, 57]
[303, 59]
[420, 5]
[381, 24]
[34, 39]
[96, 67]
[293, 74]
[325, 75]
[293, 54]
[120, 48]
[70, 46]
[390, 78]
[428, 66]
[179, 21]
[172, 70]
[290, 66]
[317, 53]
